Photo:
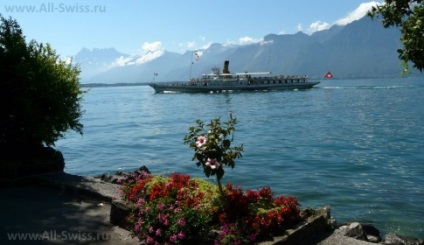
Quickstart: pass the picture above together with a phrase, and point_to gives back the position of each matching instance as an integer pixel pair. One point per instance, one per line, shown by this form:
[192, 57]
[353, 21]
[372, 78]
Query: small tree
[213, 147]
[39, 93]
[409, 16]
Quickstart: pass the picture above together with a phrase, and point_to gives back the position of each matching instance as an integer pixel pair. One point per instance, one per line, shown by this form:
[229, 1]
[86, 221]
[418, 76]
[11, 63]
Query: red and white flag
[328, 75]
[196, 55]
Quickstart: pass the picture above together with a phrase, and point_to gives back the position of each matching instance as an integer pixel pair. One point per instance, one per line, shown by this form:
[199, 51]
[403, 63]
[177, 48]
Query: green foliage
[39, 93]
[212, 147]
[409, 16]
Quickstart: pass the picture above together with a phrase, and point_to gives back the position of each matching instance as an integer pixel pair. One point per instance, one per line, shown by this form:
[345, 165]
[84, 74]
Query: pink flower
[163, 219]
[169, 184]
[149, 240]
[161, 206]
[137, 228]
[212, 163]
[181, 222]
[151, 230]
[171, 207]
[166, 222]
[181, 235]
[158, 232]
[173, 238]
[200, 141]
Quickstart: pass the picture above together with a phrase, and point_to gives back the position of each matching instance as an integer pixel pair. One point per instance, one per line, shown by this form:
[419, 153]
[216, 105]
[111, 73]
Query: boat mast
[191, 64]
[154, 75]
[194, 53]
[269, 60]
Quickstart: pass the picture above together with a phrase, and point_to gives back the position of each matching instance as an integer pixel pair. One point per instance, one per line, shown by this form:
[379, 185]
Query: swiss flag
[328, 75]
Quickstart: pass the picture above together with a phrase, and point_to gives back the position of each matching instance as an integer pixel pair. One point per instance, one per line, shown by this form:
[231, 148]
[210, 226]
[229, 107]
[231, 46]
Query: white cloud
[318, 26]
[68, 60]
[151, 51]
[202, 43]
[151, 47]
[206, 46]
[266, 42]
[299, 27]
[249, 40]
[243, 41]
[188, 45]
[357, 14]
[149, 56]
[122, 61]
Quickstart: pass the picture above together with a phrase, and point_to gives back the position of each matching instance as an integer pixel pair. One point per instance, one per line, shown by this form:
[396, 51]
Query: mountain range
[361, 49]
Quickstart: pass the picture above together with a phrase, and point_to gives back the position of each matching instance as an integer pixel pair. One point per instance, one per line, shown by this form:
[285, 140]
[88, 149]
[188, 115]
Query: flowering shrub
[212, 147]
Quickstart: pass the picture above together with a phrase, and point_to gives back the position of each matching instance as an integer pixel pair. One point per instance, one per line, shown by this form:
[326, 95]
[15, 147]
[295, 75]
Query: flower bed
[179, 210]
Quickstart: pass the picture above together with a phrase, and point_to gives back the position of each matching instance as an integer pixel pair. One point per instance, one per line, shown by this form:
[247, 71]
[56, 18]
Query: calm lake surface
[357, 145]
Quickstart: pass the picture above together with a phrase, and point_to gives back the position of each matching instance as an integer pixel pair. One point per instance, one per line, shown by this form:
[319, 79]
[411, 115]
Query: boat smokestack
[226, 64]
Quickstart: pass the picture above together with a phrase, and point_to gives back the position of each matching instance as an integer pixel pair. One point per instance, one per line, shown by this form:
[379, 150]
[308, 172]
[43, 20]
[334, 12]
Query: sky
[137, 27]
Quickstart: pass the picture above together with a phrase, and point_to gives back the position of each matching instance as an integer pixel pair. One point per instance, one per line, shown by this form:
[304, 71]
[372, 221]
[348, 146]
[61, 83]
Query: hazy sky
[137, 26]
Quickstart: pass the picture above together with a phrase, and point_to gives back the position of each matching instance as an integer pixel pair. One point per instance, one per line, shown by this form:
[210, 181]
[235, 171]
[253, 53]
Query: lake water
[357, 145]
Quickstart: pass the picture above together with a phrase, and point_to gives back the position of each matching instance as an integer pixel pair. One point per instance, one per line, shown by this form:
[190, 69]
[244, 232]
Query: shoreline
[103, 191]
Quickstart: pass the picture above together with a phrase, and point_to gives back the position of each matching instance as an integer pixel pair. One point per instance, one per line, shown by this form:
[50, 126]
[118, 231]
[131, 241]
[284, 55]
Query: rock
[119, 173]
[372, 233]
[120, 176]
[393, 239]
[107, 178]
[144, 169]
[356, 231]
[373, 239]
[362, 232]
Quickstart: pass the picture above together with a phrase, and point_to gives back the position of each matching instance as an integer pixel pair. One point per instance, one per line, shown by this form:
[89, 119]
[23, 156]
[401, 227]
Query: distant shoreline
[94, 85]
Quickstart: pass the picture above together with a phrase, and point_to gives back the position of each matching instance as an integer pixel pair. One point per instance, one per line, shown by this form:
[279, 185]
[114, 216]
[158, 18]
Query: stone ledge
[88, 186]
[319, 228]
[317, 223]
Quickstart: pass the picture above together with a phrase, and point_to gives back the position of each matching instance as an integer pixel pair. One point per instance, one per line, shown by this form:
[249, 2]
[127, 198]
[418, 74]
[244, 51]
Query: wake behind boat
[218, 81]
